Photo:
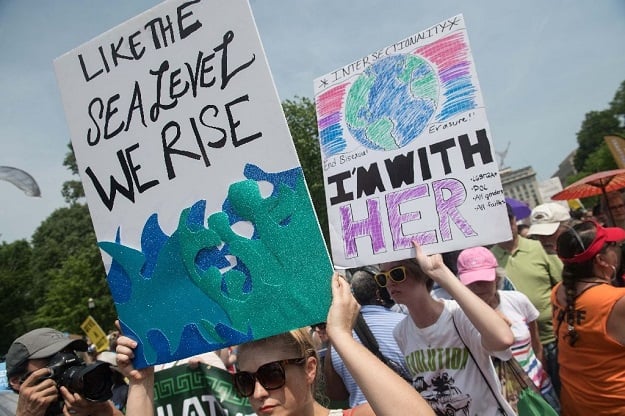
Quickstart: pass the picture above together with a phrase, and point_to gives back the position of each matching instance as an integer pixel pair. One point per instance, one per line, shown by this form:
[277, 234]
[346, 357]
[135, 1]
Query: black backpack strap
[368, 340]
[501, 407]
[366, 337]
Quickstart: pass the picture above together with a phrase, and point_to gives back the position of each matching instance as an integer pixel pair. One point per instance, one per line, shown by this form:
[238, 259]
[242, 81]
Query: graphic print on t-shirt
[443, 396]
[439, 388]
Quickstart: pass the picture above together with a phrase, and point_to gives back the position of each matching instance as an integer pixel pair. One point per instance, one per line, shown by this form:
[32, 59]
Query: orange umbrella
[595, 184]
[599, 183]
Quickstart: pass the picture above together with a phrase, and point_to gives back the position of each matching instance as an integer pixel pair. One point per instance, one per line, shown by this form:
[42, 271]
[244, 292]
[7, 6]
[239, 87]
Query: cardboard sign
[407, 152]
[95, 333]
[198, 201]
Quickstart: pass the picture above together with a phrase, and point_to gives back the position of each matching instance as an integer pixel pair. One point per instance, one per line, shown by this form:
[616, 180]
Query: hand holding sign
[432, 265]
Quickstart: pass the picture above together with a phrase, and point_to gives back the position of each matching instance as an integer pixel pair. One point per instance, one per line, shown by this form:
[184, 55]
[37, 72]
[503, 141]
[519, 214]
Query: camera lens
[93, 382]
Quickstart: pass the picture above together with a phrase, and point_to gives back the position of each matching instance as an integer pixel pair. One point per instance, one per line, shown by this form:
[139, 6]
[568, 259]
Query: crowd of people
[421, 336]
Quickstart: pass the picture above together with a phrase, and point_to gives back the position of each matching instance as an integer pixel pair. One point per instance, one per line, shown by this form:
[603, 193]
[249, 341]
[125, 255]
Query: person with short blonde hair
[447, 344]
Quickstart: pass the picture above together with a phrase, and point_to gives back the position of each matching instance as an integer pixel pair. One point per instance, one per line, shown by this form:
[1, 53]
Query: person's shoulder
[534, 246]
[497, 250]
[528, 242]
[450, 304]
[512, 295]
[376, 314]
[403, 325]
[390, 312]
[514, 298]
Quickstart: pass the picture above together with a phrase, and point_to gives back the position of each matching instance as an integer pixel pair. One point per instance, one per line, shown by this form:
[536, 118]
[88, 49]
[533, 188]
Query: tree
[302, 120]
[67, 231]
[72, 190]
[70, 270]
[590, 137]
[617, 105]
[593, 154]
[16, 295]
[66, 302]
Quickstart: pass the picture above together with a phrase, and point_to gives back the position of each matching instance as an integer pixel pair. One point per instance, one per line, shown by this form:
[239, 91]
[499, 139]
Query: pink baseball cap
[476, 264]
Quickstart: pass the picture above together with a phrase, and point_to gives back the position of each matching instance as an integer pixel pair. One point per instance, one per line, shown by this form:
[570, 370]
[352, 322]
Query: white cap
[546, 218]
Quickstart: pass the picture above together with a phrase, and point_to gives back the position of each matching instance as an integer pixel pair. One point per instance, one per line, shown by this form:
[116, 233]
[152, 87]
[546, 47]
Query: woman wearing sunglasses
[589, 321]
[448, 343]
[278, 373]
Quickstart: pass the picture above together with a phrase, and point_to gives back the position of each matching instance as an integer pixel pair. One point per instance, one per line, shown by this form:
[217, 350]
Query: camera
[92, 381]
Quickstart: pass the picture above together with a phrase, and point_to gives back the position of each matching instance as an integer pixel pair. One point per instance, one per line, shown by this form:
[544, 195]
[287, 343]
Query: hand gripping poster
[407, 152]
[198, 200]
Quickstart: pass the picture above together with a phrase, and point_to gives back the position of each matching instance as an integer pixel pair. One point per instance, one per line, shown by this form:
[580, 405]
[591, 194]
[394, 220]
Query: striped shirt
[381, 322]
[520, 311]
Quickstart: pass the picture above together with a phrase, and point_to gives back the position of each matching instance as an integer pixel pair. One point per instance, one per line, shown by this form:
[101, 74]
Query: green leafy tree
[593, 154]
[617, 105]
[70, 268]
[302, 120]
[65, 251]
[595, 126]
[65, 305]
[16, 297]
[65, 232]
[72, 190]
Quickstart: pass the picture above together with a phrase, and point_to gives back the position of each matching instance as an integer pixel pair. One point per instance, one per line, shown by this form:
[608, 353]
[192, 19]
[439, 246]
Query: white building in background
[566, 168]
[521, 184]
[550, 187]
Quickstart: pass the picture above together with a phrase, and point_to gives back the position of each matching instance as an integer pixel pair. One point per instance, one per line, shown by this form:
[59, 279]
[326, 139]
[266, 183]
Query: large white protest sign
[407, 151]
[197, 197]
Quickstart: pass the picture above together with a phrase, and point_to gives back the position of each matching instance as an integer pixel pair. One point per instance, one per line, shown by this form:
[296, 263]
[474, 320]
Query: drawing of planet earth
[391, 102]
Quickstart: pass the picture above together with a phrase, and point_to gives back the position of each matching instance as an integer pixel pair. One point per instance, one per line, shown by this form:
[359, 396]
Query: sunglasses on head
[271, 376]
[396, 274]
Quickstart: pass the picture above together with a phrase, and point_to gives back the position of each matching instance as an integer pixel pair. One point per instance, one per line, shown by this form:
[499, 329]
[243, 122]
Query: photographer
[38, 373]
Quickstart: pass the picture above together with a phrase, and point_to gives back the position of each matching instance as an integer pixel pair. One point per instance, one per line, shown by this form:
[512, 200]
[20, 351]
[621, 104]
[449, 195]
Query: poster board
[550, 187]
[616, 144]
[198, 201]
[407, 152]
[95, 333]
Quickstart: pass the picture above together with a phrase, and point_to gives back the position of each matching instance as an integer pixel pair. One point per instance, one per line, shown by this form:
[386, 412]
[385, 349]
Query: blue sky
[542, 66]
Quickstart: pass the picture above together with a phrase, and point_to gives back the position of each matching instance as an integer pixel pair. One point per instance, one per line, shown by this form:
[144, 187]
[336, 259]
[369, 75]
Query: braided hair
[574, 241]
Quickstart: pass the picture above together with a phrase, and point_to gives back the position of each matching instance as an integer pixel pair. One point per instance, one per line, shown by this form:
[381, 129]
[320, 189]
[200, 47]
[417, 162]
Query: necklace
[597, 280]
[426, 335]
[589, 285]
[429, 332]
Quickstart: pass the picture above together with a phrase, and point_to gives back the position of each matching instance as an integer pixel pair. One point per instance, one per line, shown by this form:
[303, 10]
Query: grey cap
[39, 343]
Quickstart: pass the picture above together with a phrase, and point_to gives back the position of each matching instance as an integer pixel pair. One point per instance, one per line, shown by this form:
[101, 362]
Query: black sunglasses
[396, 274]
[271, 376]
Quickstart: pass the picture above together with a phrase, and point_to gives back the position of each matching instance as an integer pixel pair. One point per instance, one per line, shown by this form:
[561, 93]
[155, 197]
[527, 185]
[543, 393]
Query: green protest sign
[205, 391]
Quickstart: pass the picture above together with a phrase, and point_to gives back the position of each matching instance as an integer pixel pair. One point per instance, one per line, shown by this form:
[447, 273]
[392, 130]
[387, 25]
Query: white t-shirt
[519, 310]
[443, 370]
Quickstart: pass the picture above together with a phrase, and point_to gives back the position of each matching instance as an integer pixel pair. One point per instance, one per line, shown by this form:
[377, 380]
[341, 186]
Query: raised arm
[496, 333]
[386, 392]
[140, 400]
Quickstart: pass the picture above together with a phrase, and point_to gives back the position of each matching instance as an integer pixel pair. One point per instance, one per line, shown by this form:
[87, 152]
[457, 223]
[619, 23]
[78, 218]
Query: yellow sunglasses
[396, 274]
